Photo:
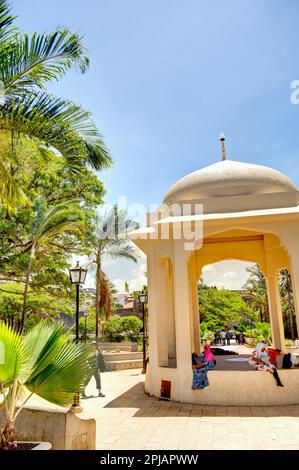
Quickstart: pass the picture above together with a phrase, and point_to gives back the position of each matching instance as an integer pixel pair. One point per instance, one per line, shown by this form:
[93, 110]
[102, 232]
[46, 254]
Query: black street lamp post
[143, 300]
[85, 314]
[77, 277]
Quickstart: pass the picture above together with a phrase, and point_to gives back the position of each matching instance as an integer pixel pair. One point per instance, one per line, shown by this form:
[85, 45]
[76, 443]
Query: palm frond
[58, 123]
[6, 20]
[12, 354]
[124, 249]
[11, 192]
[43, 343]
[34, 60]
[67, 373]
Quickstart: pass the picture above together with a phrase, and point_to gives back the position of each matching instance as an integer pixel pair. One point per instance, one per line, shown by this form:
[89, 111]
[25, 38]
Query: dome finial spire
[223, 150]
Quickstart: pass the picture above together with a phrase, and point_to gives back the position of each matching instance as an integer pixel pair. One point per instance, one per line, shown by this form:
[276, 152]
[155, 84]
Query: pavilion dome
[229, 178]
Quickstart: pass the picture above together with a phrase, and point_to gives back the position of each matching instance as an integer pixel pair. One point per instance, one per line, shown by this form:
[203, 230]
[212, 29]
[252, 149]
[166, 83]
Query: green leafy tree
[287, 304]
[109, 240]
[46, 225]
[51, 181]
[113, 328]
[131, 326]
[221, 308]
[28, 64]
[256, 292]
[44, 362]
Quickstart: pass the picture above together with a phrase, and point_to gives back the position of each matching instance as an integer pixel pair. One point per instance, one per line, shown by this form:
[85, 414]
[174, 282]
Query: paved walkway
[129, 419]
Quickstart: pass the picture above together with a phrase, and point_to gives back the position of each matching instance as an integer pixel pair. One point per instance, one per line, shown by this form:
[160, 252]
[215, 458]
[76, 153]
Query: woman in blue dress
[200, 377]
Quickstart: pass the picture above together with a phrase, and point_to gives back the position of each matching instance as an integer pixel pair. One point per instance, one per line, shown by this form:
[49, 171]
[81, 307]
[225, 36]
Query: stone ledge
[59, 426]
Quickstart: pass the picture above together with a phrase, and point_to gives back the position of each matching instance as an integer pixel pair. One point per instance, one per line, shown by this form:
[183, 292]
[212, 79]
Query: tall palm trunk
[27, 281]
[98, 289]
[290, 302]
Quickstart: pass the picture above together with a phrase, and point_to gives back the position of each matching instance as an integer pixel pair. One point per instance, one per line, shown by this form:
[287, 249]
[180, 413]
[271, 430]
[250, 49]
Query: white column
[165, 312]
[193, 290]
[182, 318]
[275, 308]
[152, 306]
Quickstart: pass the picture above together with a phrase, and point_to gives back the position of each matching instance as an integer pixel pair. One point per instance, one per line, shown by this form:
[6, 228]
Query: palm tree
[46, 225]
[107, 290]
[288, 307]
[256, 292]
[27, 64]
[109, 240]
[44, 362]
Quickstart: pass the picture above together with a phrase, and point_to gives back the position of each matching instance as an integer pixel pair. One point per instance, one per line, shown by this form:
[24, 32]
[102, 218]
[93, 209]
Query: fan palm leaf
[12, 355]
[45, 363]
[67, 373]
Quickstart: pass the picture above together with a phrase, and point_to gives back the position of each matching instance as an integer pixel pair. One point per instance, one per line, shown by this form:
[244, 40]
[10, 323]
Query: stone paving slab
[129, 419]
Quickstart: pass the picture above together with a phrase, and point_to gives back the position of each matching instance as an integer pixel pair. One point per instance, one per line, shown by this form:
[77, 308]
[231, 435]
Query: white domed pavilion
[228, 210]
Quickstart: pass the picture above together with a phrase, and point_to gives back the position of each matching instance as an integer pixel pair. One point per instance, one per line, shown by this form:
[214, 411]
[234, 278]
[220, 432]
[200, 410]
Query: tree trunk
[8, 436]
[290, 302]
[98, 287]
[27, 282]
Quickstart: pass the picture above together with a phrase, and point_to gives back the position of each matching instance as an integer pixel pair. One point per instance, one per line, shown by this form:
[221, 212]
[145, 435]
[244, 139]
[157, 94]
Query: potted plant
[43, 362]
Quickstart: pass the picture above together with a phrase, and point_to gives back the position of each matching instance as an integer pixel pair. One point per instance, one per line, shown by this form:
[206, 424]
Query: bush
[206, 335]
[113, 328]
[259, 333]
[131, 326]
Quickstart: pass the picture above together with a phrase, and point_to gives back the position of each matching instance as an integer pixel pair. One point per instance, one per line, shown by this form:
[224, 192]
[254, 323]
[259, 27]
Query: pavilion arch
[264, 249]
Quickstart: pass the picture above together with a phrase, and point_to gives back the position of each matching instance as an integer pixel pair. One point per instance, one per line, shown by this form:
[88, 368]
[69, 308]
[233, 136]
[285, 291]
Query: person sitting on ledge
[209, 357]
[273, 353]
[200, 376]
[260, 361]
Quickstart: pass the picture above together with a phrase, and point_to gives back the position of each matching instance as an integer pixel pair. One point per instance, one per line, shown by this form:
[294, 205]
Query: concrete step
[124, 346]
[121, 365]
[122, 356]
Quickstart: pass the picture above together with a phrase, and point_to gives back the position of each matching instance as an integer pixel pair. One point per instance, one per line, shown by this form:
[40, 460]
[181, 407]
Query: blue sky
[167, 76]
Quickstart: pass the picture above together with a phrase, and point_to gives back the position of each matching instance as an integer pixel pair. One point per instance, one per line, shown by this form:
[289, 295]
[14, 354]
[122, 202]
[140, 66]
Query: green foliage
[28, 64]
[117, 328]
[43, 362]
[259, 333]
[206, 335]
[113, 328]
[131, 325]
[40, 304]
[256, 292]
[60, 203]
[221, 309]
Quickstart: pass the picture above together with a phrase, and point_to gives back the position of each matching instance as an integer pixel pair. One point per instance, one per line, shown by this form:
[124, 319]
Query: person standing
[97, 364]
[228, 337]
[223, 336]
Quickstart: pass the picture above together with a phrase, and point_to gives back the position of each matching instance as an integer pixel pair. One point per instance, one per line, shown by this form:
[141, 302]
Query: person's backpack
[286, 361]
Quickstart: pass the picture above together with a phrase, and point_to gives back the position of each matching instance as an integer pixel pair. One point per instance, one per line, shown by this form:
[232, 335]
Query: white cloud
[230, 275]
[208, 268]
[226, 274]
[136, 279]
